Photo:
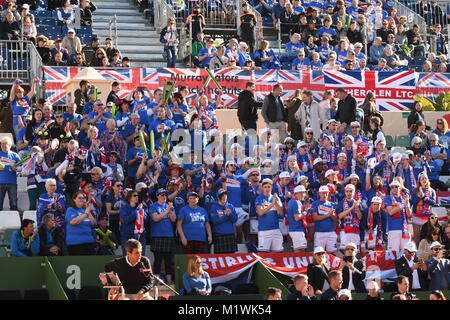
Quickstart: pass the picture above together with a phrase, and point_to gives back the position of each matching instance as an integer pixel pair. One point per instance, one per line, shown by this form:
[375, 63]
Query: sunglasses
[351, 249]
[394, 187]
[436, 249]
[119, 185]
[59, 116]
[255, 175]
[81, 198]
[308, 133]
[434, 218]
[134, 195]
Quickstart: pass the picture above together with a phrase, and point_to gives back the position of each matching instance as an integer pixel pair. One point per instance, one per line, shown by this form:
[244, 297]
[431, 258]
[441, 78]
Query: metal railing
[259, 26]
[163, 12]
[114, 36]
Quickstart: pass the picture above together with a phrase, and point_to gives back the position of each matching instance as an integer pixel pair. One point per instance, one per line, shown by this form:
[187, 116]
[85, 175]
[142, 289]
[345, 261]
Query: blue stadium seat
[44, 14]
[48, 22]
[64, 29]
[419, 61]
[85, 30]
[42, 29]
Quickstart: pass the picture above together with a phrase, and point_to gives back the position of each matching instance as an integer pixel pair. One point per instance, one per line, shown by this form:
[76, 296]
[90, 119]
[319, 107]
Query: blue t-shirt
[204, 51]
[100, 123]
[20, 107]
[294, 207]
[221, 223]
[394, 222]
[290, 47]
[269, 221]
[80, 233]
[196, 179]
[132, 170]
[323, 208]
[194, 223]
[116, 204]
[164, 227]
[177, 117]
[316, 65]
[7, 175]
[330, 31]
[69, 117]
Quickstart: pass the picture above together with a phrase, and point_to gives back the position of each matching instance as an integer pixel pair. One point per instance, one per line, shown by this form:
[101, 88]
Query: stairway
[137, 39]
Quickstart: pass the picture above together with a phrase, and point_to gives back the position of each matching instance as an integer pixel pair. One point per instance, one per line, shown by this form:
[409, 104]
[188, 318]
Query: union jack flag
[55, 78]
[431, 85]
[393, 90]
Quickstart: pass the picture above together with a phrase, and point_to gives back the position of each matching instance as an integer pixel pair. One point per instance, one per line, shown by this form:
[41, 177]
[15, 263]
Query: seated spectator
[310, 30]
[72, 43]
[273, 294]
[205, 54]
[79, 223]
[427, 66]
[97, 60]
[71, 114]
[9, 29]
[315, 63]
[44, 51]
[382, 65]
[438, 268]
[376, 51]
[301, 25]
[297, 6]
[79, 60]
[218, 61]
[310, 46]
[348, 65]
[403, 287]
[198, 44]
[335, 280]
[86, 9]
[332, 63]
[105, 63]
[431, 224]
[373, 291]
[232, 51]
[52, 242]
[424, 252]
[126, 62]
[318, 271]
[10, 6]
[327, 31]
[294, 46]
[52, 203]
[324, 49]
[244, 56]
[362, 65]
[442, 68]
[29, 30]
[115, 60]
[90, 49]
[109, 48]
[442, 131]
[301, 62]
[265, 57]
[196, 281]
[302, 290]
[25, 242]
[415, 41]
[441, 43]
[65, 14]
[59, 48]
[357, 47]
[105, 239]
[58, 60]
[391, 58]
[418, 129]
[354, 35]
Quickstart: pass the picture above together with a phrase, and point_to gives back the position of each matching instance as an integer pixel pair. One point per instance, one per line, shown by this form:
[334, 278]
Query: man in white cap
[438, 268]
[373, 288]
[333, 131]
[409, 265]
[72, 43]
[399, 211]
[373, 226]
[251, 192]
[328, 152]
[356, 132]
[344, 294]
[269, 208]
[353, 270]
[297, 212]
[232, 184]
[304, 159]
[350, 215]
[324, 216]
[409, 174]
[284, 188]
[342, 166]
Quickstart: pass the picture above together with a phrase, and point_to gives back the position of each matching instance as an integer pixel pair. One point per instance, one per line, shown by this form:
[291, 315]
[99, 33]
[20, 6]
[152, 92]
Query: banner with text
[394, 90]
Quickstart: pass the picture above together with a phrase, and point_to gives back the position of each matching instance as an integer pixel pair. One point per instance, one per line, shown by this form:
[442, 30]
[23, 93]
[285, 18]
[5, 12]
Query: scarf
[401, 214]
[282, 194]
[328, 157]
[27, 239]
[411, 174]
[351, 221]
[139, 225]
[423, 209]
[372, 242]
[300, 206]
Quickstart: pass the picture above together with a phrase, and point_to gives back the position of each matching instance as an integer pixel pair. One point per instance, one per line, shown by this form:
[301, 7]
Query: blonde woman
[196, 281]
[169, 37]
[423, 200]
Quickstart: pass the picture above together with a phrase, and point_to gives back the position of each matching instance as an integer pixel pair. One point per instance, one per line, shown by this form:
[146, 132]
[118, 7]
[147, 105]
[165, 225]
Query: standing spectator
[318, 271]
[193, 226]
[20, 104]
[269, 208]
[25, 242]
[51, 203]
[162, 241]
[86, 9]
[105, 239]
[8, 176]
[324, 215]
[403, 289]
[79, 227]
[197, 21]
[274, 112]
[247, 24]
[353, 269]
[346, 112]
[196, 281]
[292, 107]
[52, 242]
[72, 43]
[223, 217]
[335, 280]
[415, 115]
[248, 107]
[169, 37]
[309, 115]
[115, 89]
[409, 265]
[65, 14]
[303, 290]
[81, 95]
[438, 268]
[373, 288]
[349, 212]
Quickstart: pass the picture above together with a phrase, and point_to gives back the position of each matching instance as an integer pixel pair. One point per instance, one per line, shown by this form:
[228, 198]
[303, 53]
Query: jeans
[171, 56]
[12, 195]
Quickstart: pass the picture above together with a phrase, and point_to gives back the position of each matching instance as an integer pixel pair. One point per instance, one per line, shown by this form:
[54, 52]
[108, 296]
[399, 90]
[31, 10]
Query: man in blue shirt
[269, 208]
[324, 215]
[206, 54]
[71, 114]
[98, 117]
[297, 219]
[223, 218]
[25, 242]
[8, 176]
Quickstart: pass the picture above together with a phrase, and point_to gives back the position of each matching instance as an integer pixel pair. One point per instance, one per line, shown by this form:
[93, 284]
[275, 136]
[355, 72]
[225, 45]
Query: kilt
[195, 247]
[224, 243]
[162, 244]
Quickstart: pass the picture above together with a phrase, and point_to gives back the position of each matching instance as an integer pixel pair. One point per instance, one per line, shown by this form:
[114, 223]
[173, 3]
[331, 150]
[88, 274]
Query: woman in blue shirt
[162, 241]
[114, 201]
[79, 227]
[265, 57]
[196, 281]
[133, 217]
[223, 218]
[20, 104]
[193, 226]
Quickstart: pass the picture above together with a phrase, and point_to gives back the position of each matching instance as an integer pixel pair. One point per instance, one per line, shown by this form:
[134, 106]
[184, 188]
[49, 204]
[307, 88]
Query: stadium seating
[9, 220]
[402, 141]
[29, 214]
[389, 142]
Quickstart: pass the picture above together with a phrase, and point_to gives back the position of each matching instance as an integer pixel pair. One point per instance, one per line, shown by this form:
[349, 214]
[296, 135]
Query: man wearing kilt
[223, 218]
[162, 237]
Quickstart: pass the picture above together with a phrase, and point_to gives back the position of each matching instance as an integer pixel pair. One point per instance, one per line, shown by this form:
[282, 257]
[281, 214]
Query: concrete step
[115, 5]
[141, 49]
[112, 11]
[149, 35]
[152, 42]
[142, 56]
[121, 19]
[124, 26]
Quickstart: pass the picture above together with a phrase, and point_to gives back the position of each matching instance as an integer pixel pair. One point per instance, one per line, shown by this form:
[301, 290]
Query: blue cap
[161, 191]
[193, 193]
[221, 192]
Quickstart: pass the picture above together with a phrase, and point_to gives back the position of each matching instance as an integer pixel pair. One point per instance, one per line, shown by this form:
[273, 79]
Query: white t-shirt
[416, 282]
